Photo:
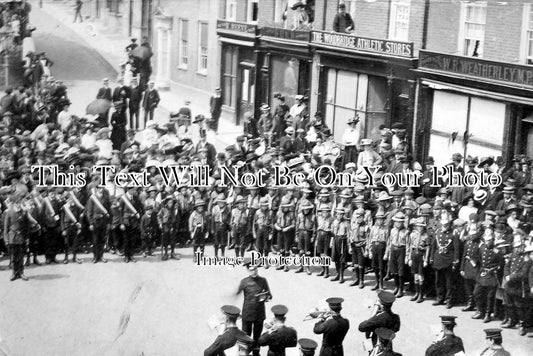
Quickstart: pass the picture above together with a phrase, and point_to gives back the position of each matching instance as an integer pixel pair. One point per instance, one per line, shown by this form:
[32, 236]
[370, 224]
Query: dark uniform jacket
[253, 309]
[334, 330]
[224, 342]
[278, 340]
[385, 319]
[469, 262]
[490, 263]
[128, 217]
[104, 93]
[15, 226]
[151, 99]
[444, 249]
[517, 269]
[95, 215]
[448, 346]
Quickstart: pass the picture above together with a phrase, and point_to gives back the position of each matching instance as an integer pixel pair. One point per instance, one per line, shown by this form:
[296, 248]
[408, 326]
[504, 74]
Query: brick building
[475, 81]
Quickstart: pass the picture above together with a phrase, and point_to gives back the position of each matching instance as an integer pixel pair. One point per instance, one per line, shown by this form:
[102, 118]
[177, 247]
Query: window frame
[183, 45]
[397, 23]
[231, 6]
[203, 51]
[464, 21]
[526, 42]
[249, 11]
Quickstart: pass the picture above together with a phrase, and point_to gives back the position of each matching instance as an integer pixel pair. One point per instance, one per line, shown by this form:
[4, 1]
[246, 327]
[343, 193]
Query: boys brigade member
[198, 227]
[418, 257]
[71, 228]
[278, 336]
[228, 338]
[333, 327]
[97, 210]
[285, 224]
[447, 343]
[51, 212]
[323, 235]
[148, 228]
[238, 225]
[165, 219]
[378, 241]
[382, 317]
[339, 243]
[220, 221]
[358, 236]
[130, 211]
[262, 228]
[495, 348]
[305, 223]
[396, 252]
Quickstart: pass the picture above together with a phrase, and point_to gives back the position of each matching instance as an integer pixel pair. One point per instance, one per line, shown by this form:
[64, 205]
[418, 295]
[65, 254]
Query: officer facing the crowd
[447, 343]
[494, 339]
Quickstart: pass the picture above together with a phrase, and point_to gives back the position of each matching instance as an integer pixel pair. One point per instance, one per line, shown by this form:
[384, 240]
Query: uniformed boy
[358, 236]
[339, 243]
[418, 257]
[165, 220]
[198, 227]
[148, 229]
[220, 220]
[262, 228]
[238, 225]
[378, 240]
[323, 235]
[305, 223]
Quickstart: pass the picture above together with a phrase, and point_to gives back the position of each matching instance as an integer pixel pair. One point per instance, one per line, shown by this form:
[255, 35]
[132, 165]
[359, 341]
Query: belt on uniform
[485, 271]
[379, 242]
[398, 247]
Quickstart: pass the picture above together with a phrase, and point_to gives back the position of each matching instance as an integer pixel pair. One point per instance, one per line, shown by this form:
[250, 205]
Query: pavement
[108, 51]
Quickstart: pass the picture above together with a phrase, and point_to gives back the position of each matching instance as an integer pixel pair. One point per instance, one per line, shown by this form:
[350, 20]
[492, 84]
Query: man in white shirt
[64, 118]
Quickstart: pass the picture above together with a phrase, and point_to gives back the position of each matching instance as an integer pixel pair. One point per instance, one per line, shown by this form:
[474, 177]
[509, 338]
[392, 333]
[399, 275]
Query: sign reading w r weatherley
[511, 74]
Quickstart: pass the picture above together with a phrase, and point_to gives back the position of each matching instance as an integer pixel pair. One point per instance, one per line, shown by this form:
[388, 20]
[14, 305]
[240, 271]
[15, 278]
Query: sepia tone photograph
[266, 177]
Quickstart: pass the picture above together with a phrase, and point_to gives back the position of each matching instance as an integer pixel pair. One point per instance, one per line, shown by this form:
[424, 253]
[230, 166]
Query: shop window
[229, 76]
[285, 74]
[472, 31]
[252, 11]
[476, 128]
[202, 47]
[231, 10]
[183, 43]
[399, 20]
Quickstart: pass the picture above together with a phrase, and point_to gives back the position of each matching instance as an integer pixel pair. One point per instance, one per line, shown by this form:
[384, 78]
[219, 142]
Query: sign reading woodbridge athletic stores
[515, 74]
[357, 43]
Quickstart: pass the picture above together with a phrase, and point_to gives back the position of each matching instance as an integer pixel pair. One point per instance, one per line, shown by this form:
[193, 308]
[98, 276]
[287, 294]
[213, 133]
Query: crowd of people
[460, 245]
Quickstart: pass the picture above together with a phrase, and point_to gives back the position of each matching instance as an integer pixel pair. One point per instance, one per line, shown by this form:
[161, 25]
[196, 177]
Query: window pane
[346, 89]
[184, 29]
[203, 31]
[487, 120]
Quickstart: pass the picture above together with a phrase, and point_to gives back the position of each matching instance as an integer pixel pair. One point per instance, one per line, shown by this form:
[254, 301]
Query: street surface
[162, 308]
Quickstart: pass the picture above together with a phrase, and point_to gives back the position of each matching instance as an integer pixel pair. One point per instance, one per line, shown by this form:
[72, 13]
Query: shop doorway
[247, 94]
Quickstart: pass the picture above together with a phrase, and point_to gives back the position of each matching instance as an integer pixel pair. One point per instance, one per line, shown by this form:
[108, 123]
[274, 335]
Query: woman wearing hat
[350, 140]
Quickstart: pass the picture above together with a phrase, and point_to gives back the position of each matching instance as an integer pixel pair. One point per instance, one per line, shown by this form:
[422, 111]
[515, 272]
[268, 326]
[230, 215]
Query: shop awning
[437, 85]
[236, 42]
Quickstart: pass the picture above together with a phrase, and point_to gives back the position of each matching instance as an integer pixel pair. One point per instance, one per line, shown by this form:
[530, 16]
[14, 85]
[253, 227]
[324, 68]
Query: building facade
[475, 81]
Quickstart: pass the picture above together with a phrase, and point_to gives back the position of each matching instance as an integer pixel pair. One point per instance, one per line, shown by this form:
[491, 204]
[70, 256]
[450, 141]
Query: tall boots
[417, 292]
[301, 268]
[327, 272]
[396, 285]
[322, 272]
[361, 277]
[512, 317]
[356, 276]
[237, 251]
[376, 275]
[341, 273]
[400, 287]
[216, 251]
[338, 276]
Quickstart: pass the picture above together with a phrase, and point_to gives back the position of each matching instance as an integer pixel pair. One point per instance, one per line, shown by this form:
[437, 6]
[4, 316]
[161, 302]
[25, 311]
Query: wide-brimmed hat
[399, 217]
[102, 131]
[199, 202]
[480, 195]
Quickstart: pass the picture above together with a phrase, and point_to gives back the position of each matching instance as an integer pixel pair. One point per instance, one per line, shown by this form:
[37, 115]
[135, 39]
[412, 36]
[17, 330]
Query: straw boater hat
[102, 132]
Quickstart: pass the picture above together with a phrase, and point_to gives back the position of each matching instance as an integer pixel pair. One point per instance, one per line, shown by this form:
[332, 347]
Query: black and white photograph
[266, 177]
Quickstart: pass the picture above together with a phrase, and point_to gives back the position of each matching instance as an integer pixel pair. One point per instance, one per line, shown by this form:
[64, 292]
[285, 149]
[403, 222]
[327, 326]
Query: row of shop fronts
[448, 103]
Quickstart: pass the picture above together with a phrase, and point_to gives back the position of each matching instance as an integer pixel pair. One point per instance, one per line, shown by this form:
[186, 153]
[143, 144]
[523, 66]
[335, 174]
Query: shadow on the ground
[47, 277]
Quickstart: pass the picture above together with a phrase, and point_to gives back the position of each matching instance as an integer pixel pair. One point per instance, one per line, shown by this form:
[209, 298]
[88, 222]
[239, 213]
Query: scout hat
[380, 215]
[240, 199]
[264, 201]
[325, 208]
[221, 198]
[399, 217]
[306, 204]
[198, 203]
